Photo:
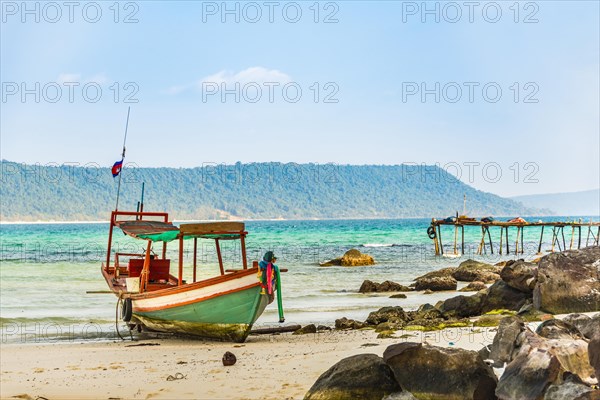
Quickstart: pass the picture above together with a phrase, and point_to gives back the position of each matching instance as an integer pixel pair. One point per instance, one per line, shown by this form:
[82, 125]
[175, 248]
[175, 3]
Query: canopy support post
[195, 256]
[220, 257]
[180, 278]
[243, 244]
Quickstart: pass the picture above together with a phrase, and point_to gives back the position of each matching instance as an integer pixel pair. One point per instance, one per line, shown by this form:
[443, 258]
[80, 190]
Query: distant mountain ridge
[582, 203]
[252, 191]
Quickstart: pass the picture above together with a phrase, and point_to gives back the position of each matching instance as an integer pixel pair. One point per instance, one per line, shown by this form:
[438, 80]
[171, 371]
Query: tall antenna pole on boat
[122, 158]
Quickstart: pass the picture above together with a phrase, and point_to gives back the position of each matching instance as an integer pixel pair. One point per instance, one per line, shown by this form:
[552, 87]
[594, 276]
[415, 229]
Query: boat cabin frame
[154, 272]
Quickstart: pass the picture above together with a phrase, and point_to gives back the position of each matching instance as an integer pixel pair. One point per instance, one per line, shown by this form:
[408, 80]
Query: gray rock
[569, 282]
[470, 270]
[430, 372]
[557, 329]
[571, 388]
[444, 272]
[586, 325]
[345, 323]
[501, 296]
[594, 353]
[400, 396]
[398, 296]
[436, 284]
[528, 376]
[505, 342]
[310, 328]
[520, 275]
[474, 286]
[387, 314]
[363, 376]
[463, 306]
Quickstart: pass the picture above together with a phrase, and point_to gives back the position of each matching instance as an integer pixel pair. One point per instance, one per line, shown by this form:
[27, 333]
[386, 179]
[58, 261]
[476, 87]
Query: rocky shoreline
[559, 360]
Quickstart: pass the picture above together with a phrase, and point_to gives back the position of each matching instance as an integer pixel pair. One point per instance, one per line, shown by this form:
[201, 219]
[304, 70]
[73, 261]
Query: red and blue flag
[116, 168]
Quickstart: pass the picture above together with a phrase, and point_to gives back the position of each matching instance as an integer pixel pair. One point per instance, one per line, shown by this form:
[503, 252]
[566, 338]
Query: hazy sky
[503, 94]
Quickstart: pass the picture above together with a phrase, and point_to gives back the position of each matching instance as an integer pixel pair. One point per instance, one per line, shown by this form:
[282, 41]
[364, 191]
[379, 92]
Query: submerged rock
[430, 372]
[569, 282]
[363, 376]
[387, 286]
[352, 258]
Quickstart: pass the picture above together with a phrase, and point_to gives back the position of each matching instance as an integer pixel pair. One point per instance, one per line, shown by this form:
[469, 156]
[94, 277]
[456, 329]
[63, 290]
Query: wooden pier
[558, 243]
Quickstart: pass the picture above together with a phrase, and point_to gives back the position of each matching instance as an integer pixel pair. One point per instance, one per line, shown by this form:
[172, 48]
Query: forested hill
[252, 191]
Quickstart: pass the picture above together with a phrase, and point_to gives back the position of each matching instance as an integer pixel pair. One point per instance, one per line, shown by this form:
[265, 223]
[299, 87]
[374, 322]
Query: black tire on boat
[126, 310]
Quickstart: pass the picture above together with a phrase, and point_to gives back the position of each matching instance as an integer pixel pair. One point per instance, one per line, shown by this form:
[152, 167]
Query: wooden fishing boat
[222, 307]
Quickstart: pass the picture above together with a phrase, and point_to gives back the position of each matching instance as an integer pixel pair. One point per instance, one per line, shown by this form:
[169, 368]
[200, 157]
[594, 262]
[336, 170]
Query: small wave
[378, 245]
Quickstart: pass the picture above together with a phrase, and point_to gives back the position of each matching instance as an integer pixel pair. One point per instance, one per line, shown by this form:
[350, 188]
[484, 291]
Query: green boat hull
[228, 317]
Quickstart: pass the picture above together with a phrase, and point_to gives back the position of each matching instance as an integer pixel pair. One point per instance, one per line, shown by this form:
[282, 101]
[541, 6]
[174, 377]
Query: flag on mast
[116, 168]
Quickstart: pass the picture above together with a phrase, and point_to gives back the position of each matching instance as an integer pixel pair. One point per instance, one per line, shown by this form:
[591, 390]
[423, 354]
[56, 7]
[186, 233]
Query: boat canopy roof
[158, 231]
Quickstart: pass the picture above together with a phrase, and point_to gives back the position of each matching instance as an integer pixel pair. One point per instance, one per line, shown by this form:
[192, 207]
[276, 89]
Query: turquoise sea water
[46, 270]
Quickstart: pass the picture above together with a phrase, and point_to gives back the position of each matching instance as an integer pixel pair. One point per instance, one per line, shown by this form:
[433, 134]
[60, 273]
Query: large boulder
[387, 314]
[528, 376]
[569, 282]
[520, 275]
[363, 376]
[430, 372]
[436, 284]
[572, 388]
[351, 258]
[463, 306]
[387, 286]
[505, 341]
[501, 296]
[594, 353]
[542, 362]
[471, 270]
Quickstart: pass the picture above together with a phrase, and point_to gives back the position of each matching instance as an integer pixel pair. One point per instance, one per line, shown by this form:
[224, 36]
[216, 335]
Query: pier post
[501, 232]
[439, 228]
[541, 238]
[455, 238]
[507, 249]
[487, 228]
[522, 242]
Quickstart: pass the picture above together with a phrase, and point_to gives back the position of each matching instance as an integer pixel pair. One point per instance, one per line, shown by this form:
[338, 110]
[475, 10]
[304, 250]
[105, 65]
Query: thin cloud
[252, 74]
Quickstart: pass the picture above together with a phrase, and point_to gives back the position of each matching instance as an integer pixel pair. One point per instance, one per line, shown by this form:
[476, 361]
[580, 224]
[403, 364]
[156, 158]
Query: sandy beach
[268, 366]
